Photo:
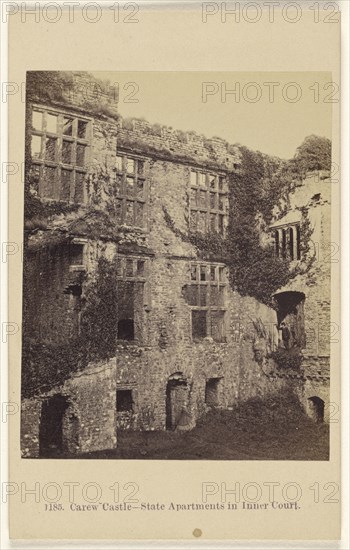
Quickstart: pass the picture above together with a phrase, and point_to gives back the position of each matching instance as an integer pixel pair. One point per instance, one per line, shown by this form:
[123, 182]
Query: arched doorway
[176, 399]
[51, 440]
[316, 408]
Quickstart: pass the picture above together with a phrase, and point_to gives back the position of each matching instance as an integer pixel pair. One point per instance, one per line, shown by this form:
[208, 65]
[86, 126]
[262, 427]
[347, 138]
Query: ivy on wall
[254, 190]
[46, 364]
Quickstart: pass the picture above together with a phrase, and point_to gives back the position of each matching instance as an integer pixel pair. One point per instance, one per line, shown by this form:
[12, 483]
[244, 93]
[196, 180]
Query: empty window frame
[124, 401]
[59, 149]
[208, 202]
[206, 294]
[287, 242]
[131, 192]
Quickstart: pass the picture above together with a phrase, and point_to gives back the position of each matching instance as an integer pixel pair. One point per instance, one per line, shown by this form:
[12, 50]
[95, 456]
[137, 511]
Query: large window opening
[206, 294]
[131, 190]
[59, 145]
[208, 202]
[212, 387]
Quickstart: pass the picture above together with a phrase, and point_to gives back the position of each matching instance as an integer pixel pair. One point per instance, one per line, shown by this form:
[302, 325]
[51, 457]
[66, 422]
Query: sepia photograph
[177, 266]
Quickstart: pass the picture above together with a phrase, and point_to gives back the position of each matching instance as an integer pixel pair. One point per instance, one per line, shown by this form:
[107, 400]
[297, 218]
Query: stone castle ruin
[129, 324]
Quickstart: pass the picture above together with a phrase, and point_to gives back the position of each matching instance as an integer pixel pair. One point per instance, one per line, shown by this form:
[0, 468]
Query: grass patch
[271, 429]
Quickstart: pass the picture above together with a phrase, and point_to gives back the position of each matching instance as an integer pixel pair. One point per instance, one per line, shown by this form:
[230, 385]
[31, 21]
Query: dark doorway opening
[316, 409]
[212, 398]
[51, 440]
[176, 400]
[290, 318]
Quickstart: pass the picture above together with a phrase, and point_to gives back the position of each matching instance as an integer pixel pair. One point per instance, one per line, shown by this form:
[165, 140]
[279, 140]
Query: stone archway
[177, 391]
[315, 409]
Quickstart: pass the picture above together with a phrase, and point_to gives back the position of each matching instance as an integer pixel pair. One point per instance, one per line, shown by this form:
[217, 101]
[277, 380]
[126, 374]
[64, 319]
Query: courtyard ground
[273, 429]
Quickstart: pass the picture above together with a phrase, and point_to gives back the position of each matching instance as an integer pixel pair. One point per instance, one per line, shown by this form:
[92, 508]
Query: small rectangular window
[67, 126]
[140, 189]
[48, 183]
[212, 181]
[130, 185]
[140, 167]
[129, 214]
[36, 147]
[214, 296]
[80, 161]
[50, 149]
[119, 163]
[201, 221]
[129, 268]
[203, 273]
[76, 254]
[203, 301]
[37, 120]
[203, 199]
[139, 211]
[82, 127]
[79, 187]
[124, 401]
[67, 148]
[66, 182]
[130, 166]
[193, 220]
[199, 324]
[202, 179]
[140, 268]
[194, 179]
[51, 123]
[193, 197]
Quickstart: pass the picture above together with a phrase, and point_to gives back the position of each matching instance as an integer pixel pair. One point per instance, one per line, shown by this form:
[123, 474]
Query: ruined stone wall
[51, 305]
[164, 349]
[313, 196]
[88, 423]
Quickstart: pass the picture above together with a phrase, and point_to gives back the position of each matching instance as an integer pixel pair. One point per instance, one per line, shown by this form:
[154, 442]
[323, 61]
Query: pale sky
[275, 127]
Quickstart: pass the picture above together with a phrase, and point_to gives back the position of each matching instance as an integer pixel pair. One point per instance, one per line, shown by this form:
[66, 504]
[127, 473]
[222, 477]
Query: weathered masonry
[170, 337]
